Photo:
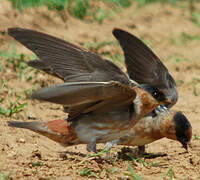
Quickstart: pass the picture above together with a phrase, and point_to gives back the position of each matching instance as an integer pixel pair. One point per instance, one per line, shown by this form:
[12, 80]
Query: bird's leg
[141, 150]
[91, 146]
[109, 145]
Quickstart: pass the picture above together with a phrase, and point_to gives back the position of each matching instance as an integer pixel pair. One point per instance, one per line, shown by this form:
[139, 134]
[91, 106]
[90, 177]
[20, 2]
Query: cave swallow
[102, 102]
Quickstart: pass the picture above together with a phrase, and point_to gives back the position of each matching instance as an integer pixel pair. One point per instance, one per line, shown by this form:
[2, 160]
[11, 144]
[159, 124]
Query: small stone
[37, 153]
[194, 161]
[12, 154]
[21, 140]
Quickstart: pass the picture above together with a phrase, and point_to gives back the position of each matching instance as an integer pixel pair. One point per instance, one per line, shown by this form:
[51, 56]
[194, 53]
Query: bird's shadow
[73, 155]
[128, 154]
[63, 154]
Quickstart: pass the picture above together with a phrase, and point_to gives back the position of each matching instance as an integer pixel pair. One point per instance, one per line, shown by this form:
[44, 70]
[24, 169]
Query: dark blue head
[183, 129]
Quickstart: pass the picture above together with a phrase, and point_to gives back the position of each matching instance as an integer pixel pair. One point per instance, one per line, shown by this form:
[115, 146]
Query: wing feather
[84, 97]
[144, 66]
[65, 60]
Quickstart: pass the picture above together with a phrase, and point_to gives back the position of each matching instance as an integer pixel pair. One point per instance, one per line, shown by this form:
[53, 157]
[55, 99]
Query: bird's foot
[108, 146]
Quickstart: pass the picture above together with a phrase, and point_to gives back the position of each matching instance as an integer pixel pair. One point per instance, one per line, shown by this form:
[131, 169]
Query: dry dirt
[26, 155]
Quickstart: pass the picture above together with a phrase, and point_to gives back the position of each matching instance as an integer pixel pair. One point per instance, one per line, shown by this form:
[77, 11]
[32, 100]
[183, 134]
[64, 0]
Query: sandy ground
[26, 155]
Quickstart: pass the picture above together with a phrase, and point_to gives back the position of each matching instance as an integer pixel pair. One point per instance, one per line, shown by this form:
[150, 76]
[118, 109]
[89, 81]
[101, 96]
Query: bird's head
[183, 129]
[158, 94]
[177, 127]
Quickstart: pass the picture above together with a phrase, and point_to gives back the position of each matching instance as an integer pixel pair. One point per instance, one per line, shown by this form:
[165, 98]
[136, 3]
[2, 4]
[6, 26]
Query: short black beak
[185, 146]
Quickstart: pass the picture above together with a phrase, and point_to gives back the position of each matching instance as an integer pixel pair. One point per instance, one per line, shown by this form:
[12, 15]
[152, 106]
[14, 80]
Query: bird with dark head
[145, 68]
[102, 102]
[183, 129]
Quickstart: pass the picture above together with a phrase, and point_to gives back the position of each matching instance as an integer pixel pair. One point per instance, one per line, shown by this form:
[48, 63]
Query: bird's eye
[156, 94]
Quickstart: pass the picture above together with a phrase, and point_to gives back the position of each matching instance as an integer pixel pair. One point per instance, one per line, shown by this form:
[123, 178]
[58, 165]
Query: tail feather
[57, 130]
[34, 126]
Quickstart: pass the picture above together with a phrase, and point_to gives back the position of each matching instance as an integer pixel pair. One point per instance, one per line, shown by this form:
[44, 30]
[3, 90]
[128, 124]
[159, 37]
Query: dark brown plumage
[145, 67]
[102, 102]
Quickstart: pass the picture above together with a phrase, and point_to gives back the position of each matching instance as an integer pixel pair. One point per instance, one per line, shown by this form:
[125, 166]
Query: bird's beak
[185, 146]
[167, 101]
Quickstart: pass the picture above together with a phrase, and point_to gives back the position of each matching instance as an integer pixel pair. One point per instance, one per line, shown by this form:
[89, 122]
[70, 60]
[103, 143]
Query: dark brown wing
[144, 66]
[65, 60]
[84, 97]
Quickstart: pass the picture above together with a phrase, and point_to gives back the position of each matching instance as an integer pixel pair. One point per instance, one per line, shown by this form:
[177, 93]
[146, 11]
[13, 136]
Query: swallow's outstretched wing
[65, 60]
[77, 67]
[85, 97]
[144, 66]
